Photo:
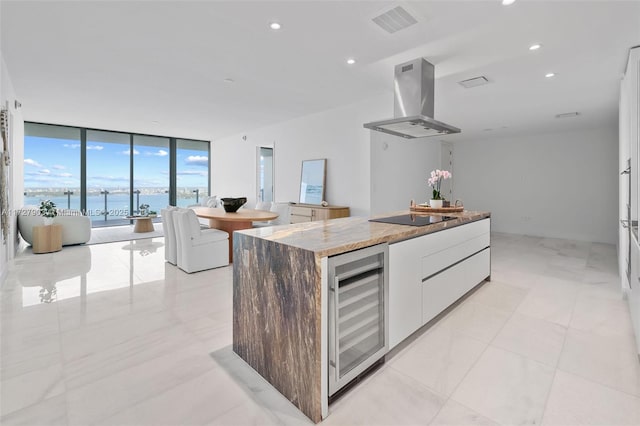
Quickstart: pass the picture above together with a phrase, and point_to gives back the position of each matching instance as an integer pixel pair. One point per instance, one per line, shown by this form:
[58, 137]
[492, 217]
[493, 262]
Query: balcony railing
[109, 207]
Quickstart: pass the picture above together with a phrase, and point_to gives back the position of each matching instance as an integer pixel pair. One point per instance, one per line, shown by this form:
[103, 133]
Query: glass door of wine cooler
[358, 324]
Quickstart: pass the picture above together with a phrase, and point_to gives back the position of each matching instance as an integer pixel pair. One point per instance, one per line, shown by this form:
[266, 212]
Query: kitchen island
[281, 290]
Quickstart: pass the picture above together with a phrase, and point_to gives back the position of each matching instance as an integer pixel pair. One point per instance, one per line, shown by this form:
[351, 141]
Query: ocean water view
[57, 160]
[117, 202]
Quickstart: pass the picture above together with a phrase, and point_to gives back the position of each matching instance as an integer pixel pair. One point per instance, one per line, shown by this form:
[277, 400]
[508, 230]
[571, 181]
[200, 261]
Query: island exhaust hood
[413, 104]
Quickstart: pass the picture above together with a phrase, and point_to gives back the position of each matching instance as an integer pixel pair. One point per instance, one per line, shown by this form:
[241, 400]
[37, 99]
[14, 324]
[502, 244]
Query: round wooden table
[229, 222]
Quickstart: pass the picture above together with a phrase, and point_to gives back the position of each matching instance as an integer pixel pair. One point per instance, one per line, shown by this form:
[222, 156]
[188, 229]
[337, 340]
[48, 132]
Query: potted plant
[143, 209]
[435, 181]
[153, 213]
[48, 211]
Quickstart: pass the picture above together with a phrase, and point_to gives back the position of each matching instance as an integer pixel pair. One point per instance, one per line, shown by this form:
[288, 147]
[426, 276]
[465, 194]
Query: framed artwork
[313, 181]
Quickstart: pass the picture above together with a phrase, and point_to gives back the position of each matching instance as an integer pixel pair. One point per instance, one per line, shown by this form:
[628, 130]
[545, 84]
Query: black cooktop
[413, 219]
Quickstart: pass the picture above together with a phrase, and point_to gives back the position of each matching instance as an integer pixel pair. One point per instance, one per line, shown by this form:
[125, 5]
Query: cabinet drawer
[446, 238]
[302, 211]
[442, 290]
[436, 262]
[301, 214]
[300, 219]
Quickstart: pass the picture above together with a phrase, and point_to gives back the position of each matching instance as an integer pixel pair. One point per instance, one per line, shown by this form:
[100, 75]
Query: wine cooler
[358, 313]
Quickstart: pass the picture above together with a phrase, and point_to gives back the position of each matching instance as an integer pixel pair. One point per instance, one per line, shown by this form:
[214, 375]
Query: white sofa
[76, 228]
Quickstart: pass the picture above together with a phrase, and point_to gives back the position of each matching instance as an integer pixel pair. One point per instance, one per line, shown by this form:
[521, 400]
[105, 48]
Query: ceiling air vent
[394, 20]
[568, 115]
[474, 82]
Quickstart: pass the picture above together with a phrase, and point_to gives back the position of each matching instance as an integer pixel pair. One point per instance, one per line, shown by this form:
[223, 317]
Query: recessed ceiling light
[507, 2]
[275, 26]
[155, 122]
[535, 46]
[351, 61]
[550, 74]
[229, 80]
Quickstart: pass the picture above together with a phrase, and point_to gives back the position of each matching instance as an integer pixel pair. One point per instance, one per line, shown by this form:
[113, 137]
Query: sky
[55, 163]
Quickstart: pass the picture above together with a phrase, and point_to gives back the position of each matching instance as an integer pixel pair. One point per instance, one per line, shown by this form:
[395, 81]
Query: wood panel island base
[290, 318]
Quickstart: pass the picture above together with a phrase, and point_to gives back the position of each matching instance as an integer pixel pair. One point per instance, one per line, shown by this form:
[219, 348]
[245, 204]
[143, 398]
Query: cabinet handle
[335, 362]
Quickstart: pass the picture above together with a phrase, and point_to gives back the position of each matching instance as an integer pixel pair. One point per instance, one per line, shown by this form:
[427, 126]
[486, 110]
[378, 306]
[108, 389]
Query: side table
[47, 238]
[142, 223]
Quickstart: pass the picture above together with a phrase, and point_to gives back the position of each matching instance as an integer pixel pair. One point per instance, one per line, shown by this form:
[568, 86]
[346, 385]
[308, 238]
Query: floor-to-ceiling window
[108, 175]
[111, 174]
[192, 171]
[52, 165]
[151, 165]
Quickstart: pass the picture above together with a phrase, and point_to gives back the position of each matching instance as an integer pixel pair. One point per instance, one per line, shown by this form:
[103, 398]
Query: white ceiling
[122, 65]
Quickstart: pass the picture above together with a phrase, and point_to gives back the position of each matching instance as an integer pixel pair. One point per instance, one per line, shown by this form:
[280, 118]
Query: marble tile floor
[109, 334]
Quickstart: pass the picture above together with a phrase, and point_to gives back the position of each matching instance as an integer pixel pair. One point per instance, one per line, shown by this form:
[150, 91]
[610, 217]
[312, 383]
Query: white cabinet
[405, 291]
[633, 293]
[629, 147]
[439, 292]
[464, 243]
[429, 273]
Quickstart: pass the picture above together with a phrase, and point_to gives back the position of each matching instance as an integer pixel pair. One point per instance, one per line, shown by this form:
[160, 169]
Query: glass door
[108, 175]
[265, 174]
[150, 174]
[358, 320]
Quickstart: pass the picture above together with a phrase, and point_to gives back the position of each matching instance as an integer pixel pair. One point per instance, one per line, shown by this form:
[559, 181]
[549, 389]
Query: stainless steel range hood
[413, 104]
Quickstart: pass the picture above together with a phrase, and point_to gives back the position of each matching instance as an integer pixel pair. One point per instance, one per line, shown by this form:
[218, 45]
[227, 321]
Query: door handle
[624, 223]
[626, 171]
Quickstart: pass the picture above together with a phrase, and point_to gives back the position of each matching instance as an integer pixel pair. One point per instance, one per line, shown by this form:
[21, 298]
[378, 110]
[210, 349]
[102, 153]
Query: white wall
[15, 182]
[336, 135]
[399, 171]
[560, 185]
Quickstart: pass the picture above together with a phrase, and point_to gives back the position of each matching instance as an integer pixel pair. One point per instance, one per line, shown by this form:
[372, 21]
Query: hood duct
[413, 107]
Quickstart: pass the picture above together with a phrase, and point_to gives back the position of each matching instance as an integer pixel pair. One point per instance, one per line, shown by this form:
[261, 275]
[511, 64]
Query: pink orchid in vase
[435, 181]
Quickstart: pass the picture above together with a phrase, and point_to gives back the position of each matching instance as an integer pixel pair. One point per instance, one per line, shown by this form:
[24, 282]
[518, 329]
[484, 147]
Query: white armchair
[284, 213]
[170, 248]
[266, 206]
[205, 201]
[283, 210]
[198, 249]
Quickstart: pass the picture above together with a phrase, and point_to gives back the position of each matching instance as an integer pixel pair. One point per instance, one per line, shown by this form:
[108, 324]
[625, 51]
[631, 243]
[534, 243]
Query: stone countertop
[327, 238]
